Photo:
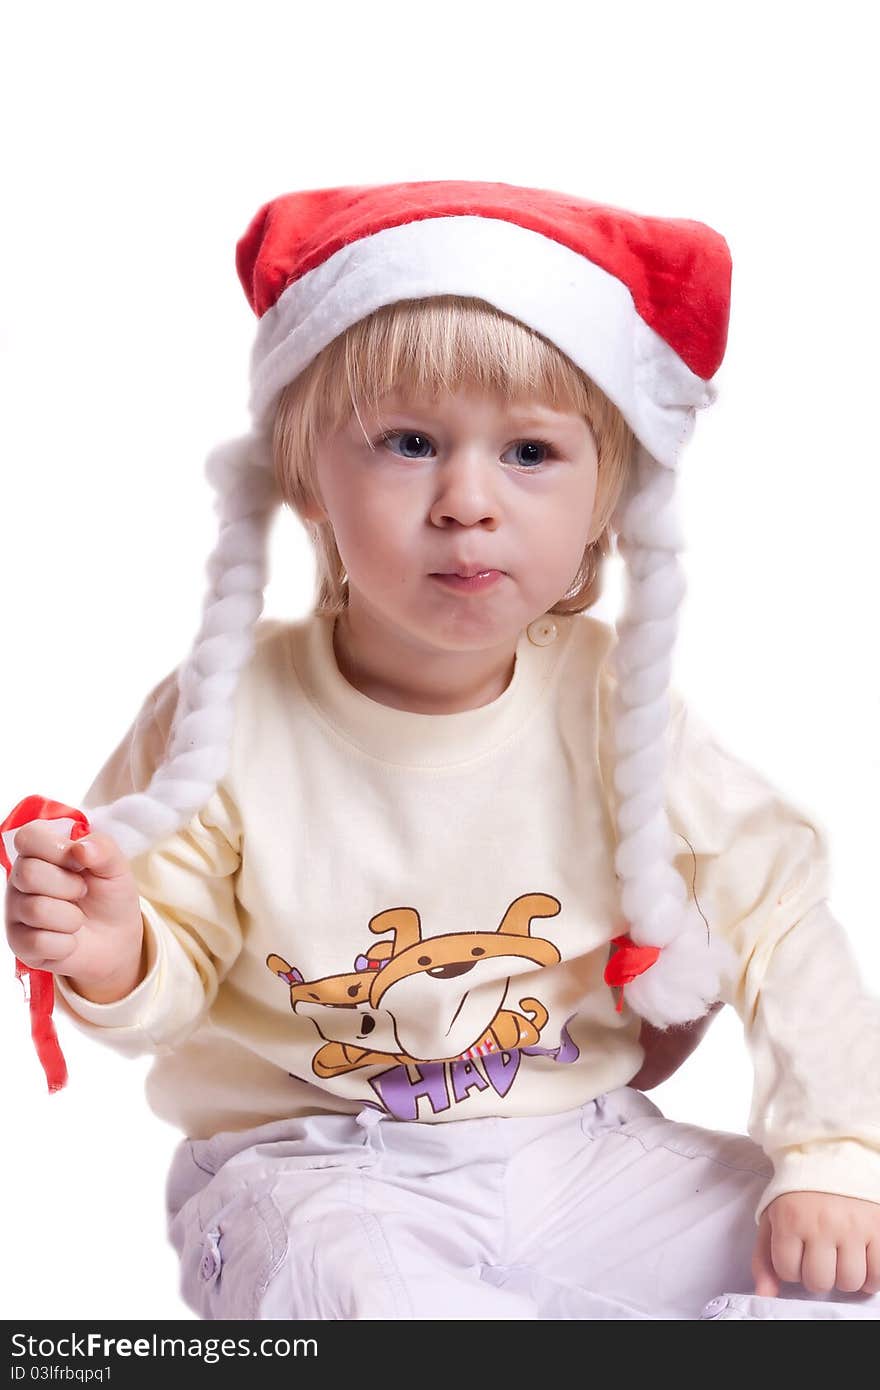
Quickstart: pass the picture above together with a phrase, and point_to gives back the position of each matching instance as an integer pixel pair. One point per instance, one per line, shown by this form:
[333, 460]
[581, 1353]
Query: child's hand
[73, 908]
[819, 1240]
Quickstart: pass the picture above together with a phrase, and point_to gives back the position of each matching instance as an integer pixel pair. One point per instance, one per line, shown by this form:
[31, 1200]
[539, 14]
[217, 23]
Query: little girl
[392, 890]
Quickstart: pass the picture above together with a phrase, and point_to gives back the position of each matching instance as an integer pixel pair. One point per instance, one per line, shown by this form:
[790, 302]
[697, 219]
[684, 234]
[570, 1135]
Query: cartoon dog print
[386, 1010]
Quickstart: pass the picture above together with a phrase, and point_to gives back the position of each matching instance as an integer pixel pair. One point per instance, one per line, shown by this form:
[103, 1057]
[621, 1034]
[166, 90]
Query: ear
[404, 922]
[517, 920]
[279, 966]
[383, 951]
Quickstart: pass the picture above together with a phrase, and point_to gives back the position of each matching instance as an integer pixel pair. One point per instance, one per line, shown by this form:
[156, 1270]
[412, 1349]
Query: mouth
[472, 572]
[449, 972]
[477, 580]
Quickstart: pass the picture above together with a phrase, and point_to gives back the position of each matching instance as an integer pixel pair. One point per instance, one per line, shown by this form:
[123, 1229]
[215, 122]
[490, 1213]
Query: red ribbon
[628, 961]
[39, 988]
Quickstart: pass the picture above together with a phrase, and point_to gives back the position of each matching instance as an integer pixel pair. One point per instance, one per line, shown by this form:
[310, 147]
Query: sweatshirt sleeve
[759, 868]
[187, 894]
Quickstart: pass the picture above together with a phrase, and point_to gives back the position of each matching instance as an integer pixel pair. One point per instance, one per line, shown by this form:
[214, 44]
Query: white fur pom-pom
[685, 980]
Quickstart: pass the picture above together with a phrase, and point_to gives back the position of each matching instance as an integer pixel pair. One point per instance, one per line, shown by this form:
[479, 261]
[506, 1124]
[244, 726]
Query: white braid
[197, 754]
[685, 979]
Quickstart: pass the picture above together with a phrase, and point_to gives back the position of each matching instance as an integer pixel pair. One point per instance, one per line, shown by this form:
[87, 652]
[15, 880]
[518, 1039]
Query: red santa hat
[641, 305]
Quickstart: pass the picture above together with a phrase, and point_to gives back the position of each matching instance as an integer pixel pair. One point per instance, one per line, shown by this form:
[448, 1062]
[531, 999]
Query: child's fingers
[35, 910]
[42, 840]
[818, 1265]
[30, 875]
[40, 950]
[100, 854]
[852, 1265]
[763, 1273]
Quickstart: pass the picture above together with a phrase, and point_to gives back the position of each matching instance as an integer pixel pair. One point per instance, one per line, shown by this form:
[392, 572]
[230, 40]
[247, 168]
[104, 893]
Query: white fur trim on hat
[587, 312]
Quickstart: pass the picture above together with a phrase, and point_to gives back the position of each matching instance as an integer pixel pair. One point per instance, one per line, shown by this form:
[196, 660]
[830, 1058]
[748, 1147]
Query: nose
[465, 489]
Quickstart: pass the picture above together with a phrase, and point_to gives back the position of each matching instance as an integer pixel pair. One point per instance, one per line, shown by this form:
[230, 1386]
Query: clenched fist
[72, 907]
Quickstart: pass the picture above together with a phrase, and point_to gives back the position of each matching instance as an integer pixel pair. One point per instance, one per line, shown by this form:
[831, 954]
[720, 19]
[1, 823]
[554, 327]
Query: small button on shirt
[542, 631]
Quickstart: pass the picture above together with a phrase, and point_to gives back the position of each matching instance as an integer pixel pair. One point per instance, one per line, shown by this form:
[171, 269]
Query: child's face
[464, 481]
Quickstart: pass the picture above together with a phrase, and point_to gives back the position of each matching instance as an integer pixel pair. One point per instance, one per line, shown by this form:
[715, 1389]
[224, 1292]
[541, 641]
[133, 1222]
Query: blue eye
[535, 444]
[413, 435]
[407, 435]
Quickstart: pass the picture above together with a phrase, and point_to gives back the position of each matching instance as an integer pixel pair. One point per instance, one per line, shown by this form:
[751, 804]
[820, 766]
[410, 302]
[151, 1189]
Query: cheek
[579, 513]
[561, 521]
[370, 527]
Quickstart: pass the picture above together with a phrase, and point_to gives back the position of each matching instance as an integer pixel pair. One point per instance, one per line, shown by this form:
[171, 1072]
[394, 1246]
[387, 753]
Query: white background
[138, 143]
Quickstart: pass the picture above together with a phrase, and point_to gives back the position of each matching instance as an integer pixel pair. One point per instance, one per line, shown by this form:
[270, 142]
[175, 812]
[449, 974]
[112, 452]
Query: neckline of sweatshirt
[405, 738]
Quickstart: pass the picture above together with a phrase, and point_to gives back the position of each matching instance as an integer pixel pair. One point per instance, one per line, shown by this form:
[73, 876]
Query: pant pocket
[230, 1234]
[230, 1247]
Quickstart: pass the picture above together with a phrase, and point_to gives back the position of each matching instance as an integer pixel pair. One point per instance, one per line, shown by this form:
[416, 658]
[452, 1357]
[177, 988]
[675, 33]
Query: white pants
[606, 1211]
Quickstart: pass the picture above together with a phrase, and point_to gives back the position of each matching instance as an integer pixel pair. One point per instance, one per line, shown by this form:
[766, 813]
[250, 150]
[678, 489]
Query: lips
[478, 583]
[471, 571]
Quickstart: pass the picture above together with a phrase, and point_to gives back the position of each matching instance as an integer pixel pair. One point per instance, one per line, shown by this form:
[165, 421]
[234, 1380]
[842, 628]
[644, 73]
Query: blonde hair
[424, 347]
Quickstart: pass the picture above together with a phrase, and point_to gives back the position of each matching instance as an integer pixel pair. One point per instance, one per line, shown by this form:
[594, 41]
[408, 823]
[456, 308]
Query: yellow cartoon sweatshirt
[414, 911]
